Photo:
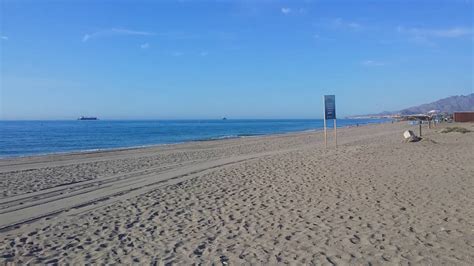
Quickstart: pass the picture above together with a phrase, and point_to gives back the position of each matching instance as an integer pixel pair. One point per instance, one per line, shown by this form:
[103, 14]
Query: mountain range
[450, 104]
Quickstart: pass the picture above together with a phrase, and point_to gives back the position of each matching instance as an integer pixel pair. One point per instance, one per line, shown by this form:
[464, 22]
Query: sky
[236, 59]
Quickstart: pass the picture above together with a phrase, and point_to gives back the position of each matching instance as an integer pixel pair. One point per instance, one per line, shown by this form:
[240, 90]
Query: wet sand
[274, 199]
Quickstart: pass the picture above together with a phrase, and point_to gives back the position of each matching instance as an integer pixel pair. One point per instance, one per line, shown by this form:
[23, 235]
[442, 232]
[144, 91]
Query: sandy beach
[260, 200]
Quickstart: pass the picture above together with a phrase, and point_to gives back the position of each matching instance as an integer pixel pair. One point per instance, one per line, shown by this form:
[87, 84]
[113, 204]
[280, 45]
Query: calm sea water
[22, 138]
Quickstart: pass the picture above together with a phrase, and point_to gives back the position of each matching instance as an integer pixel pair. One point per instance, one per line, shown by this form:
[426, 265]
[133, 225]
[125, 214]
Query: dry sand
[274, 199]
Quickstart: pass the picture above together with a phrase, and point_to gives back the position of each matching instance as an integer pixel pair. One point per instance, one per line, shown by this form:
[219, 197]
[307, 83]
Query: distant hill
[448, 105]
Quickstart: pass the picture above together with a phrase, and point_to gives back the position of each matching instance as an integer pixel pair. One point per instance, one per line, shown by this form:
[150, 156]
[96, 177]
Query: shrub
[455, 129]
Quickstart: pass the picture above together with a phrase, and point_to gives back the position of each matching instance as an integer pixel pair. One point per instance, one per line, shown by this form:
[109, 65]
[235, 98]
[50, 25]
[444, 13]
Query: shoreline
[148, 146]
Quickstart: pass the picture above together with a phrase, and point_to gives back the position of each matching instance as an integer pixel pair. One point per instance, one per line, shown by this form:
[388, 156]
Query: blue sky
[239, 59]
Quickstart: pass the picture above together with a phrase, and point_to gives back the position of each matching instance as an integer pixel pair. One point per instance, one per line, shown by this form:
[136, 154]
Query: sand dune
[275, 199]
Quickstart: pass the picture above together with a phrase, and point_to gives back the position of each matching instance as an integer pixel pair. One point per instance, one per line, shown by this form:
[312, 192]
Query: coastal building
[463, 116]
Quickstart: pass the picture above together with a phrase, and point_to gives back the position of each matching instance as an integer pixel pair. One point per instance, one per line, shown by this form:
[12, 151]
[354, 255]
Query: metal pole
[420, 127]
[325, 132]
[335, 131]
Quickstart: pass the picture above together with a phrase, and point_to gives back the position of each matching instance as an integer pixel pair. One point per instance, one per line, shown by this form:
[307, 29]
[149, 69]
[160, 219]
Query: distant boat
[224, 118]
[87, 118]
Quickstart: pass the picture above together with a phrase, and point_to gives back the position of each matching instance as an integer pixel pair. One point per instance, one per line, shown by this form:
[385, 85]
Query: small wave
[233, 136]
[215, 138]
[225, 137]
[246, 135]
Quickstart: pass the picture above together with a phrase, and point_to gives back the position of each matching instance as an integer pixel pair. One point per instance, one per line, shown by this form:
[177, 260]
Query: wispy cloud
[427, 36]
[115, 32]
[145, 45]
[294, 11]
[177, 54]
[339, 24]
[203, 53]
[285, 10]
[4, 38]
[132, 32]
[454, 32]
[372, 63]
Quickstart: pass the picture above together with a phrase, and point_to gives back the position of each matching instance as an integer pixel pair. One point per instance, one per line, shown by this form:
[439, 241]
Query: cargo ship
[87, 118]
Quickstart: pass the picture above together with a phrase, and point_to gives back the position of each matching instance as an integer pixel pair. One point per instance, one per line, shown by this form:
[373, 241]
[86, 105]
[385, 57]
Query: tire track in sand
[12, 217]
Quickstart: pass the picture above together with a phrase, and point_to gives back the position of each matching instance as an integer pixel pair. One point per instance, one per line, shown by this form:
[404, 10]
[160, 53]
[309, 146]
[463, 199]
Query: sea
[27, 138]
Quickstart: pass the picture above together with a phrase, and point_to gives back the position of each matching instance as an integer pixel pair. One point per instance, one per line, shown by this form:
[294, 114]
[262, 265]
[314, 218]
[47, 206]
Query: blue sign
[330, 106]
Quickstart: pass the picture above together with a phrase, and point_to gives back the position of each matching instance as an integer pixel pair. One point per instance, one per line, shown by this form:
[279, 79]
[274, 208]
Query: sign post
[325, 131]
[330, 113]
